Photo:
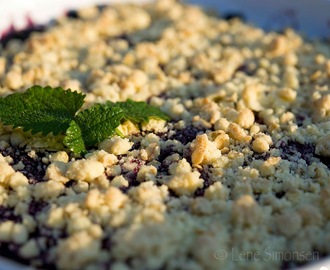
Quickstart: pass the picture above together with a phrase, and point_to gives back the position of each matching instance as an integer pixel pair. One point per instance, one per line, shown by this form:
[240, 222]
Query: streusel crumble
[238, 179]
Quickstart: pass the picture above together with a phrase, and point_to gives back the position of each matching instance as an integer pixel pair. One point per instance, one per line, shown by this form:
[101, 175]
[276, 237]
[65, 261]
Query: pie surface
[237, 179]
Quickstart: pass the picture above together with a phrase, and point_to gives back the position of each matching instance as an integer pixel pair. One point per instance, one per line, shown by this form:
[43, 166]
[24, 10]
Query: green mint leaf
[98, 123]
[73, 139]
[49, 110]
[139, 112]
[46, 110]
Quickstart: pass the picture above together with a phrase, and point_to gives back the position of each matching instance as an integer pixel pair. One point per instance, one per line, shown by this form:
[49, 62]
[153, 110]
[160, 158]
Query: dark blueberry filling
[280, 194]
[300, 118]
[34, 169]
[255, 156]
[36, 207]
[207, 181]
[70, 183]
[164, 153]
[234, 15]
[186, 135]
[73, 14]
[21, 34]
[245, 68]
[325, 160]
[7, 213]
[291, 150]
[9, 251]
[131, 175]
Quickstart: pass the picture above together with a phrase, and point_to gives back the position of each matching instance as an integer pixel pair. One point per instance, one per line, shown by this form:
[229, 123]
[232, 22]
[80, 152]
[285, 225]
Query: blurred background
[311, 17]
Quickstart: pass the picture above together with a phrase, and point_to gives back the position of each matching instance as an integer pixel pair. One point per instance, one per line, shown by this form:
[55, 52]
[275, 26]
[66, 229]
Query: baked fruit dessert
[234, 174]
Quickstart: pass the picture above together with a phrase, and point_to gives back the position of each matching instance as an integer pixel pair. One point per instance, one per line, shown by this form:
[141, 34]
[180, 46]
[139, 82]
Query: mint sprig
[55, 110]
[139, 112]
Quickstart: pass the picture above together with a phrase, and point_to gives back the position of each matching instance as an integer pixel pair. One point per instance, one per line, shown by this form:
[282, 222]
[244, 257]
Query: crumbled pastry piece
[208, 110]
[245, 211]
[310, 215]
[17, 138]
[20, 234]
[114, 198]
[57, 171]
[146, 173]
[93, 199]
[14, 80]
[291, 79]
[128, 128]
[6, 172]
[119, 181]
[245, 118]
[29, 250]
[288, 94]
[48, 190]
[321, 108]
[6, 231]
[289, 223]
[116, 145]
[268, 167]
[323, 146]
[222, 141]
[18, 180]
[252, 95]
[61, 156]
[84, 170]
[114, 170]
[278, 46]
[199, 149]
[221, 124]
[2, 65]
[102, 156]
[10, 231]
[78, 250]
[217, 191]
[238, 133]
[204, 151]
[19, 166]
[184, 181]
[148, 193]
[151, 152]
[155, 125]
[260, 145]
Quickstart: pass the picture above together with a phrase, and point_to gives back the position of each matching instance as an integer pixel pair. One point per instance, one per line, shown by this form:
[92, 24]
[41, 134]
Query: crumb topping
[243, 165]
